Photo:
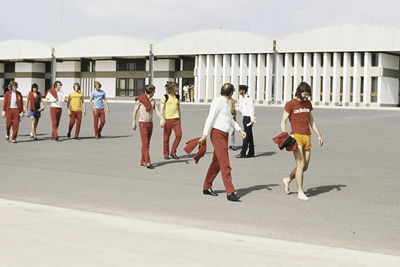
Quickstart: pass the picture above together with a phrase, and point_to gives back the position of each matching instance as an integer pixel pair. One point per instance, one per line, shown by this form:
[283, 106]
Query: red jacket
[7, 101]
[31, 99]
[280, 140]
[191, 145]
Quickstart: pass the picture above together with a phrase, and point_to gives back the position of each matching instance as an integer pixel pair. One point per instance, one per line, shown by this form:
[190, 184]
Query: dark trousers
[248, 142]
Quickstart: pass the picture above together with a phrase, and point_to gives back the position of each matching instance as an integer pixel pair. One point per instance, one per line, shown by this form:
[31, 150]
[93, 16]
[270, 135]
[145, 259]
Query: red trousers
[76, 116]
[220, 161]
[146, 129]
[55, 115]
[12, 119]
[172, 124]
[99, 114]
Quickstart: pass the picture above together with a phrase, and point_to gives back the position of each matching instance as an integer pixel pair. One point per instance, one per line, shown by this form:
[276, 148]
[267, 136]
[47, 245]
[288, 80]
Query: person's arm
[237, 128]
[69, 105]
[162, 112]
[284, 119]
[106, 103]
[92, 105]
[313, 125]
[41, 105]
[159, 114]
[252, 111]
[214, 109]
[27, 106]
[134, 114]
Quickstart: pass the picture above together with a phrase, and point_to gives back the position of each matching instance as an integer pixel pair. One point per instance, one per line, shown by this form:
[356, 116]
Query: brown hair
[11, 84]
[170, 87]
[303, 87]
[57, 82]
[96, 82]
[79, 86]
[149, 89]
[227, 89]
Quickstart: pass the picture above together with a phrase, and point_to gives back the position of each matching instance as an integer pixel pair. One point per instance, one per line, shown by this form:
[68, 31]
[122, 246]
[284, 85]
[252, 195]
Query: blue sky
[63, 20]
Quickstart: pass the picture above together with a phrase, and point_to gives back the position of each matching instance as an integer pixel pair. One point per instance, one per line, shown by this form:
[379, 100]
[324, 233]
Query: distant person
[55, 97]
[171, 112]
[232, 130]
[218, 123]
[186, 92]
[246, 107]
[298, 110]
[75, 104]
[98, 101]
[145, 104]
[191, 92]
[34, 107]
[13, 110]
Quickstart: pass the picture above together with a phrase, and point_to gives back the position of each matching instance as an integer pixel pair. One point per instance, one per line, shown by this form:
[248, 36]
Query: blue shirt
[98, 98]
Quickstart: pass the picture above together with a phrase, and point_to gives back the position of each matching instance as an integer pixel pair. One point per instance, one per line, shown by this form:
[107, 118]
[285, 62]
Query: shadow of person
[244, 191]
[171, 161]
[266, 154]
[315, 191]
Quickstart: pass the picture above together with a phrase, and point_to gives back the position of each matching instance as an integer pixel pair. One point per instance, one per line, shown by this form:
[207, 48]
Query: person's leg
[102, 120]
[144, 129]
[251, 142]
[9, 117]
[178, 135]
[220, 143]
[33, 128]
[78, 117]
[58, 118]
[245, 145]
[15, 123]
[300, 164]
[96, 123]
[71, 122]
[53, 122]
[166, 135]
[212, 172]
[36, 124]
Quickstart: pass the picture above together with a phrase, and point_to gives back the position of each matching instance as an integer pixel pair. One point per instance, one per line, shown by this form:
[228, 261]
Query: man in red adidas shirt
[298, 111]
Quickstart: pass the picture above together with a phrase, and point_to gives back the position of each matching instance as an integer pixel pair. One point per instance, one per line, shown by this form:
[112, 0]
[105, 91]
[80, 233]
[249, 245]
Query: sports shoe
[166, 157]
[69, 135]
[7, 138]
[232, 197]
[209, 192]
[174, 156]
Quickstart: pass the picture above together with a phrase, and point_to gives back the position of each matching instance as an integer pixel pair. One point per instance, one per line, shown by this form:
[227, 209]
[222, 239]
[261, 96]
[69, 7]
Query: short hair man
[246, 107]
[56, 97]
[219, 121]
[13, 110]
[298, 111]
[98, 101]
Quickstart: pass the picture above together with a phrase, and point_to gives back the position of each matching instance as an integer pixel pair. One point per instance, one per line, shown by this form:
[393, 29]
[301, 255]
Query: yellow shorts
[303, 140]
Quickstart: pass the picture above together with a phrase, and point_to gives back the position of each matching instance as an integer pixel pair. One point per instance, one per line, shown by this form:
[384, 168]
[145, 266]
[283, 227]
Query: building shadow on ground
[315, 191]
[244, 191]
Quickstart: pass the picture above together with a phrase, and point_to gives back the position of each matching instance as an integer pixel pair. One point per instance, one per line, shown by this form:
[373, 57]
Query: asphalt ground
[352, 180]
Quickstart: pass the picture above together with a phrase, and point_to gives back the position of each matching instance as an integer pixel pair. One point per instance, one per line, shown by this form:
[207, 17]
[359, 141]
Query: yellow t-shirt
[171, 107]
[75, 99]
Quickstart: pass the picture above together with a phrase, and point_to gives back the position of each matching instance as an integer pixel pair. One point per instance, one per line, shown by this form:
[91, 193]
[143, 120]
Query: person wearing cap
[298, 111]
[246, 107]
[13, 110]
[218, 123]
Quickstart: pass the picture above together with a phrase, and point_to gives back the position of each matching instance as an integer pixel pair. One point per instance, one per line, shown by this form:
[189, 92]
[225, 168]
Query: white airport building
[346, 65]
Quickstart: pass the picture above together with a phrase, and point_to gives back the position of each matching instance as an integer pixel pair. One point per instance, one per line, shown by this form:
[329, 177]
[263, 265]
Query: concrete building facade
[347, 65]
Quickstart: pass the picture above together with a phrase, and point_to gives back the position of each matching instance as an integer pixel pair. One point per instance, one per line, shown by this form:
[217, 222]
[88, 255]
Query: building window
[374, 89]
[362, 59]
[375, 59]
[322, 60]
[332, 57]
[47, 66]
[177, 64]
[130, 87]
[85, 65]
[188, 63]
[341, 56]
[312, 60]
[9, 67]
[352, 60]
[138, 64]
[330, 89]
[321, 85]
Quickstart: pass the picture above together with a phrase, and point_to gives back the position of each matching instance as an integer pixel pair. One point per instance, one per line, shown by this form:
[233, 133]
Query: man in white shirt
[186, 92]
[246, 107]
[219, 121]
[55, 96]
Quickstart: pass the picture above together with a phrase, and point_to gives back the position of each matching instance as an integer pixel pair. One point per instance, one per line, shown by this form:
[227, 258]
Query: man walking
[55, 96]
[75, 104]
[246, 107]
[98, 101]
[298, 110]
[219, 121]
[13, 110]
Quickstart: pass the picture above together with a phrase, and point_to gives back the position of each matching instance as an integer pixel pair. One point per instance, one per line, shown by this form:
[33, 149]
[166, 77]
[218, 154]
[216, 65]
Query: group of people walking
[220, 126]
[14, 110]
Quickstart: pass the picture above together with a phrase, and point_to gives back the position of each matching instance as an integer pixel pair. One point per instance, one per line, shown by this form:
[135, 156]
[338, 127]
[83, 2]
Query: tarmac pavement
[352, 180]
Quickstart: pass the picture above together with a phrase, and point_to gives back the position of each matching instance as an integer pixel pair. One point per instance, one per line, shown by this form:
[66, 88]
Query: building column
[278, 79]
[297, 71]
[307, 68]
[252, 76]
[268, 79]
[316, 92]
[209, 78]
[326, 78]
[235, 73]
[356, 79]
[196, 79]
[226, 67]
[260, 78]
[287, 85]
[217, 75]
[346, 79]
[201, 89]
[367, 79]
[336, 79]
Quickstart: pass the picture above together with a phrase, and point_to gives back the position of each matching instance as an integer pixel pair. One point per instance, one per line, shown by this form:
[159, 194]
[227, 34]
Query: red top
[31, 99]
[7, 101]
[299, 116]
